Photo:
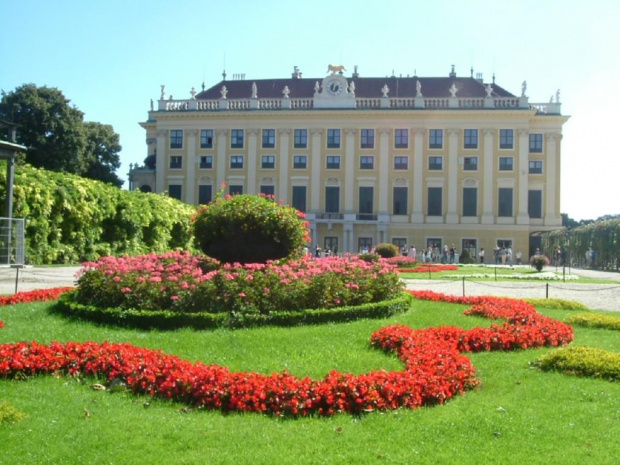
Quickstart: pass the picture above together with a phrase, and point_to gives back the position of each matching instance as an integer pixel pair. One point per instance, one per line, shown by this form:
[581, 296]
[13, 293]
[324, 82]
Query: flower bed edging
[435, 370]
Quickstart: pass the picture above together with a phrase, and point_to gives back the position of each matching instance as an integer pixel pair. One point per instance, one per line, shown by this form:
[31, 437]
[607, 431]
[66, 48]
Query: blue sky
[110, 58]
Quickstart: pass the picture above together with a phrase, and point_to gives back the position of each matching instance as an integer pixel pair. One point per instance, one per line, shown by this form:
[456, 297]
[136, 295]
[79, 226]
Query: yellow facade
[473, 173]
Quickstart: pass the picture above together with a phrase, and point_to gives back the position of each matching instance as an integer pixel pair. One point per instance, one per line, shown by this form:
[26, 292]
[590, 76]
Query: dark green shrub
[465, 258]
[386, 250]
[370, 257]
[249, 229]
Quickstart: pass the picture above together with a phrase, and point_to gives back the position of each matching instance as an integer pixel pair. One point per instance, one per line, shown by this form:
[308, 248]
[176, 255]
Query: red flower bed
[435, 370]
[428, 268]
[33, 296]
[1, 324]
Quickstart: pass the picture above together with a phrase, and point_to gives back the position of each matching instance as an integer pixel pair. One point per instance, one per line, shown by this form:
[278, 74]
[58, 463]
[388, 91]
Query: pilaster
[522, 175]
[221, 162]
[452, 215]
[283, 163]
[384, 167]
[418, 175]
[349, 163]
[315, 189]
[160, 161]
[488, 164]
[252, 157]
[190, 167]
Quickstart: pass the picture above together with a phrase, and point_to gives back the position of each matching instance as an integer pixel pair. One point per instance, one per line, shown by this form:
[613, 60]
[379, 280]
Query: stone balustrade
[365, 103]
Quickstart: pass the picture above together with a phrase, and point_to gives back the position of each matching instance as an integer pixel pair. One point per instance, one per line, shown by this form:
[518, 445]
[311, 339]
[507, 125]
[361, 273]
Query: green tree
[57, 137]
[51, 128]
[103, 147]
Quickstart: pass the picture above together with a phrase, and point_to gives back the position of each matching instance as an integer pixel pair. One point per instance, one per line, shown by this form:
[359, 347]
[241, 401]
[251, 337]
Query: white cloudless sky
[110, 58]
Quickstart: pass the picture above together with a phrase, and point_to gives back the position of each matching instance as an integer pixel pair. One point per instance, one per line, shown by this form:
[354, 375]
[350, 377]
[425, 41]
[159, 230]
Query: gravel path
[594, 296]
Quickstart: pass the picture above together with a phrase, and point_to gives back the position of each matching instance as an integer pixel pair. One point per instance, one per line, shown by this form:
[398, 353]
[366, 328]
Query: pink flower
[125, 290]
[174, 297]
[116, 279]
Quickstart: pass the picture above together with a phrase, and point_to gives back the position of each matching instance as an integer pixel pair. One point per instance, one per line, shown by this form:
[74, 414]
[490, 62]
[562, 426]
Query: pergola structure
[8, 152]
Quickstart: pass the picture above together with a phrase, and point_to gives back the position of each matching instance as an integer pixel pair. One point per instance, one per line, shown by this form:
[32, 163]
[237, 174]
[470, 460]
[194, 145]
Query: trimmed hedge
[582, 361]
[557, 304]
[162, 319]
[593, 320]
[70, 219]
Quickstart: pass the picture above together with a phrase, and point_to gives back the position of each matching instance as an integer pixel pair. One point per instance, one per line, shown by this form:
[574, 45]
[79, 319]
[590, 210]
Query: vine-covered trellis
[603, 237]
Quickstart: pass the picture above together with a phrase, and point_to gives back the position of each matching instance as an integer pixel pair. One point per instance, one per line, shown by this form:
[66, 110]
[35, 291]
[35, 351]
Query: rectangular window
[506, 138]
[236, 162]
[176, 139]
[434, 201]
[236, 138]
[235, 189]
[435, 139]
[364, 244]
[471, 245]
[268, 191]
[470, 138]
[435, 163]
[205, 194]
[300, 162]
[300, 138]
[470, 201]
[333, 162]
[366, 195]
[269, 138]
[534, 203]
[401, 163]
[368, 139]
[206, 138]
[268, 162]
[505, 163]
[176, 162]
[333, 138]
[536, 167]
[206, 162]
[401, 138]
[299, 198]
[470, 164]
[536, 143]
[367, 163]
[175, 191]
[504, 205]
[332, 199]
[330, 245]
[399, 204]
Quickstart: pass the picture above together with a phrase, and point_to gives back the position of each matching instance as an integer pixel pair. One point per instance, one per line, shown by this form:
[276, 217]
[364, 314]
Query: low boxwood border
[162, 319]
[593, 320]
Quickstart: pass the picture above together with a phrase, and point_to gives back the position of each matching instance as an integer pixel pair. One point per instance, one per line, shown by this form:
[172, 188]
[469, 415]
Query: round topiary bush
[249, 229]
[387, 250]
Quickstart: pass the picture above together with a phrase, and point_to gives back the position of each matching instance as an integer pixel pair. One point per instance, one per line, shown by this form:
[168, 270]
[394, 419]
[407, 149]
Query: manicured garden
[263, 355]
[516, 414]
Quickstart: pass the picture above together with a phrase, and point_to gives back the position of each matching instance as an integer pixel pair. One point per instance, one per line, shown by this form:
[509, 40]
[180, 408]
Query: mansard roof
[365, 87]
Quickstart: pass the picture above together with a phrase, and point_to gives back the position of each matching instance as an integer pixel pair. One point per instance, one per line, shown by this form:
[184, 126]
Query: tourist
[481, 255]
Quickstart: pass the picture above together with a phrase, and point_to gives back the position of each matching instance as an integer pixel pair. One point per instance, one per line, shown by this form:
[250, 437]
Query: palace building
[408, 160]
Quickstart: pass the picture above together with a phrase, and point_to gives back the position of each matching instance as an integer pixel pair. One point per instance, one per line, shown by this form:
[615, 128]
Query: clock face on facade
[334, 87]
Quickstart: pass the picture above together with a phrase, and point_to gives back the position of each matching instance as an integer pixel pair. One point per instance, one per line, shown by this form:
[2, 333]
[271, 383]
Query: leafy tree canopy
[56, 135]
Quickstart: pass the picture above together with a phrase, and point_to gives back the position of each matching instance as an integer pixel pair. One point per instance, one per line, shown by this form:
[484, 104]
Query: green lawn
[518, 415]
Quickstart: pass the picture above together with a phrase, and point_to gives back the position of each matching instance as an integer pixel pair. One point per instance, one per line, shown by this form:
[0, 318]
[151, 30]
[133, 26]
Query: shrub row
[593, 320]
[582, 361]
[557, 304]
[166, 319]
[70, 219]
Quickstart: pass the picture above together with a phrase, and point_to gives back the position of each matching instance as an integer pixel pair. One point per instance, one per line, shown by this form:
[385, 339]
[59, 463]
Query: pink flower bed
[435, 369]
[181, 282]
